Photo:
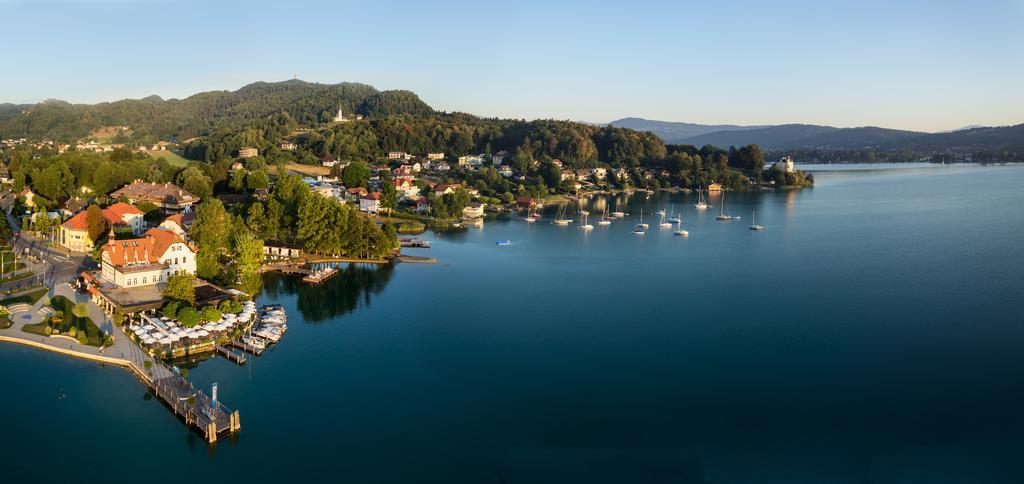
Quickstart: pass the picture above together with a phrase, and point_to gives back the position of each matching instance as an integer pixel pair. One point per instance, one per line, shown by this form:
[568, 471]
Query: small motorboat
[504, 242]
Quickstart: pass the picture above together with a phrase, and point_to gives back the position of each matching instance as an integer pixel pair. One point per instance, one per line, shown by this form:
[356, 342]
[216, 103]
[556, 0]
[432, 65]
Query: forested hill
[155, 118]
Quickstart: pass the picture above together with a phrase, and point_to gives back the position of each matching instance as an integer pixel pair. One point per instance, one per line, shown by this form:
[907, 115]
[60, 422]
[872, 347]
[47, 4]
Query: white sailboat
[605, 219]
[560, 218]
[674, 218]
[723, 215]
[701, 204]
[585, 225]
[753, 220]
[664, 224]
[640, 228]
[680, 232]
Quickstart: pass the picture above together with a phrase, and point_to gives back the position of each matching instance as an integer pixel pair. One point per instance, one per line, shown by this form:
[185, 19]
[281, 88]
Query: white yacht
[701, 204]
[753, 221]
[723, 215]
[585, 225]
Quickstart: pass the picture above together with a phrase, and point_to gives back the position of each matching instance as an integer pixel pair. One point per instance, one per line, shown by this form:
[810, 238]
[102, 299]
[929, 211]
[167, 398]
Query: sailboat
[585, 225]
[701, 204]
[560, 219]
[605, 219]
[642, 224]
[675, 218]
[680, 232]
[663, 224]
[753, 220]
[618, 214]
[723, 215]
[531, 216]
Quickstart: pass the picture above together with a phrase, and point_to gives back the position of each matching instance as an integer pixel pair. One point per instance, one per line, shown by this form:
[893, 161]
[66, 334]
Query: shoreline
[127, 364]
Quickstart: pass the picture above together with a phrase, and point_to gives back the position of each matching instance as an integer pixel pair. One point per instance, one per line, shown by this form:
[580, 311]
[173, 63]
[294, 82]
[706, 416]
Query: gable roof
[114, 214]
[148, 249]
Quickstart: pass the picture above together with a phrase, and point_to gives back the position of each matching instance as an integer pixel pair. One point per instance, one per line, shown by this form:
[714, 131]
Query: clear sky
[924, 65]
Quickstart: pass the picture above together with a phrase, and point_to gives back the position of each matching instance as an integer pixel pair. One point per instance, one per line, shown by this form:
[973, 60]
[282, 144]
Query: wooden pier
[231, 355]
[247, 347]
[413, 242]
[320, 276]
[196, 408]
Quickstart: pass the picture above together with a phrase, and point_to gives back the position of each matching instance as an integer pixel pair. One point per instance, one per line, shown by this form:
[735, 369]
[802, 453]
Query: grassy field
[64, 306]
[29, 298]
[173, 158]
[308, 170]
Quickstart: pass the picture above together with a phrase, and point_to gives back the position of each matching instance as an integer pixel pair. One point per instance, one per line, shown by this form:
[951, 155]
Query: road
[52, 266]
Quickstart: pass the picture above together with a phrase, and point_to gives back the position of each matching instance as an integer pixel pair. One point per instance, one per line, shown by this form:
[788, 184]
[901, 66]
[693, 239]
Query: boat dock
[198, 410]
[286, 269]
[316, 277]
[230, 355]
[247, 347]
[413, 242]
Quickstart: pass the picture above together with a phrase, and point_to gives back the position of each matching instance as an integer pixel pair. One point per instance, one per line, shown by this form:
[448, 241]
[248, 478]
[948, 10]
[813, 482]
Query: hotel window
[143, 280]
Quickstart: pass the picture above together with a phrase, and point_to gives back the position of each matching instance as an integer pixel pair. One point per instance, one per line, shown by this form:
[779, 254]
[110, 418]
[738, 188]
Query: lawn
[9, 265]
[23, 275]
[173, 158]
[308, 170]
[29, 298]
[64, 306]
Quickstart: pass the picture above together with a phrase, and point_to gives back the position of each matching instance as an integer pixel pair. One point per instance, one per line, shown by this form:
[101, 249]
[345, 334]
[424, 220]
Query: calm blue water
[872, 333]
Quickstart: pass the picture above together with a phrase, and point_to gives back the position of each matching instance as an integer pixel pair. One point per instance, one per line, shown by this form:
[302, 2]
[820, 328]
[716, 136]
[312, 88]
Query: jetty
[316, 277]
[413, 242]
[237, 343]
[230, 355]
[196, 408]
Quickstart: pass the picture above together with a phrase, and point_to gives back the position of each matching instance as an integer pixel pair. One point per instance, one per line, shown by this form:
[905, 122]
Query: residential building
[473, 210]
[170, 198]
[405, 187]
[435, 156]
[328, 161]
[715, 187]
[354, 194]
[446, 188]
[370, 203]
[287, 146]
[175, 223]
[278, 251]
[74, 233]
[505, 171]
[471, 160]
[599, 173]
[785, 164]
[148, 260]
[248, 152]
[399, 155]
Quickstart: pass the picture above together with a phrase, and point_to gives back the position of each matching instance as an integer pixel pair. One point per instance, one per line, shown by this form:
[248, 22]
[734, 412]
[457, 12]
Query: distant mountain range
[811, 136]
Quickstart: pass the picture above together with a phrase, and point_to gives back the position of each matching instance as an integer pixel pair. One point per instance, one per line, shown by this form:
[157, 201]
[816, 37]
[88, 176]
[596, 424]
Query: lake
[871, 333]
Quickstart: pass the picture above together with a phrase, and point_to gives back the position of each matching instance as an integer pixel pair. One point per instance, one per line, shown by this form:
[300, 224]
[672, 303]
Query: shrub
[230, 306]
[170, 311]
[72, 331]
[211, 314]
[83, 338]
[47, 330]
[189, 317]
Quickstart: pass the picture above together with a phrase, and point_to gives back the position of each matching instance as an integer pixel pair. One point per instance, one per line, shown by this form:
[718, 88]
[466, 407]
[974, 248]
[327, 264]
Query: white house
[370, 203]
[785, 164]
[599, 173]
[435, 156]
[471, 160]
[505, 171]
[147, 261]
[473, 210]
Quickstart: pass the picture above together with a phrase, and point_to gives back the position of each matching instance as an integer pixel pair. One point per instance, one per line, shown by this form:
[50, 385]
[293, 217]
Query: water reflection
[337, 296]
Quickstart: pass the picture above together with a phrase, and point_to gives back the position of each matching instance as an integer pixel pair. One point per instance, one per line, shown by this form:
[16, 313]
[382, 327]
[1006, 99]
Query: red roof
[114, 214]
[373, 196]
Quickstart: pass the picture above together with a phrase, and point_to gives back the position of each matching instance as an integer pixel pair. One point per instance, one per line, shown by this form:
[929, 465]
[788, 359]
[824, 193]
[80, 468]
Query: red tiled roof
[147, 249]
[114, 214]
[373, 196]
